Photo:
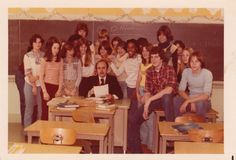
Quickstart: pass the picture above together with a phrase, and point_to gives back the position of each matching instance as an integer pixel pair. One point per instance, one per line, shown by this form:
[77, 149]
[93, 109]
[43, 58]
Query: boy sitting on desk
[102, 78]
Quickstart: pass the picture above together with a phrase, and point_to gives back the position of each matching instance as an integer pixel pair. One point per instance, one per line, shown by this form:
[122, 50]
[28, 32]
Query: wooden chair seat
[84, 116]
[58, 136]
[190, 118]
[210, 136]
[211, 115]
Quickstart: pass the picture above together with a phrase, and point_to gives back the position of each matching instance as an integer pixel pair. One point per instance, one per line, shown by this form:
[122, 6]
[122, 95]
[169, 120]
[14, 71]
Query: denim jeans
[20, 83]
[30, 101]
[146, 131]
[135, 122]
[202, 107]
[123, 86]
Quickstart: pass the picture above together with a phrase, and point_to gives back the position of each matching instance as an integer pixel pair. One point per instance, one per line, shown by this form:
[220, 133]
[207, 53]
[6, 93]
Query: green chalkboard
[207, 38]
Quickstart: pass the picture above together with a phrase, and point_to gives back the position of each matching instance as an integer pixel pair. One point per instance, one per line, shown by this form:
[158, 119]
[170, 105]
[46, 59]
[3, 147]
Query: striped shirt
[52, 72]
[72, 71]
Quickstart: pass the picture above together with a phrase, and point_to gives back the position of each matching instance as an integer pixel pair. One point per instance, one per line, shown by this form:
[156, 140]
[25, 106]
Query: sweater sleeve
[208, 82]
[79, 72]
[184, 80]
[61, 75]
[118, 71]
[27, 65]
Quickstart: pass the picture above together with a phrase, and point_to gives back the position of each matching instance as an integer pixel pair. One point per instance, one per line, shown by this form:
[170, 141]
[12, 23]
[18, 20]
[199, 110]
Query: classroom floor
[16, 134]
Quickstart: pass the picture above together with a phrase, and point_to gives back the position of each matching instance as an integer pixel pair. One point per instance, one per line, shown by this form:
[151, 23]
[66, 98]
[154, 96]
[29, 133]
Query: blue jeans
[202, 107]
[135, 122]
[30, 101]
[123, 86]
[20, 83]
[146, 131]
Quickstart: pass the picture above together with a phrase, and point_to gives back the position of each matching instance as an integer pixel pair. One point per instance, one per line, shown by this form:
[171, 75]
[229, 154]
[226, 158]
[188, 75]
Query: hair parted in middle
[166, 31]
[48, 53]
[199, 57]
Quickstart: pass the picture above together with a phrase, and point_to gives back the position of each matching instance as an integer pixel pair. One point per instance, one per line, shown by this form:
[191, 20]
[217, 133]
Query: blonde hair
[182, 65]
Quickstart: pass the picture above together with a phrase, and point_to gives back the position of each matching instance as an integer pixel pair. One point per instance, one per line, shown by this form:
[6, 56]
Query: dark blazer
[113, 85]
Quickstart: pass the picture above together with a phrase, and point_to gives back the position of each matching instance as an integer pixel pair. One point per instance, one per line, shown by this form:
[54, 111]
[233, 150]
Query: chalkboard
[207, 38]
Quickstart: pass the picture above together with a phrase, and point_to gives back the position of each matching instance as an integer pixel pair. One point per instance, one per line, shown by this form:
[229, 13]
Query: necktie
[102, 81]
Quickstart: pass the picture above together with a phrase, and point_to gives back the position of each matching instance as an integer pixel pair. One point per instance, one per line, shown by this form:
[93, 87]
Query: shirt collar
[102, 78]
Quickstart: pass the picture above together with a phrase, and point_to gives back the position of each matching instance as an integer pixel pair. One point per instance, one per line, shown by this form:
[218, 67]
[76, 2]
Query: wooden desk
[89, 131]
[167, 133]
[211, 116]
[199, 148]
[41, 148]
[117, 119]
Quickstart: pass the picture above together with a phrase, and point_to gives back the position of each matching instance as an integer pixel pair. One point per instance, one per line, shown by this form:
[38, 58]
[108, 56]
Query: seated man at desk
[103, 78]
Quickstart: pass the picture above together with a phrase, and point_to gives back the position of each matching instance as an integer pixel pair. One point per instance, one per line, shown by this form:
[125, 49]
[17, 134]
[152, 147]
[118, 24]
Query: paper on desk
[101, 91]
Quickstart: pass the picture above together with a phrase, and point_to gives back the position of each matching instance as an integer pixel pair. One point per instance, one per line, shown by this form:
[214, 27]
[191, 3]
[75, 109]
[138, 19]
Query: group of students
[151, 75]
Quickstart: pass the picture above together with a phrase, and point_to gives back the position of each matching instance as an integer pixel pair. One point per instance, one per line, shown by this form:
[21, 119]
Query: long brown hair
[33, 39]
[66, 47]
[88, 55]
[166, 31]
[49, 44]
[148, 47]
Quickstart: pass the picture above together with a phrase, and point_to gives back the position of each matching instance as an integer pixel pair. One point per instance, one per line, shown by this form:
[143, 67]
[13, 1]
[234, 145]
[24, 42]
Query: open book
[67, 106]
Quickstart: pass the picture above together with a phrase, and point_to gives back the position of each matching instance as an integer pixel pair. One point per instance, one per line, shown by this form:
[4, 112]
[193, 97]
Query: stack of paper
[106, 106]
[101, 91]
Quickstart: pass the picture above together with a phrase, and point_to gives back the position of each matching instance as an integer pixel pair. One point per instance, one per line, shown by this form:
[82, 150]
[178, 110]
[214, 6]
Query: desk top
[41, 148]
[93, 129]
[198, 148]
[166, 129]
[121, 103]
[86, 105]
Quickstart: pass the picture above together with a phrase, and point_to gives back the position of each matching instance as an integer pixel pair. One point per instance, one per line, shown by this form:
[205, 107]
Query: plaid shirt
[157, 81]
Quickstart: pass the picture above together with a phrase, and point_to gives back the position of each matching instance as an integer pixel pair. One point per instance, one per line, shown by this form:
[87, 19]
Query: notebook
[183, 128]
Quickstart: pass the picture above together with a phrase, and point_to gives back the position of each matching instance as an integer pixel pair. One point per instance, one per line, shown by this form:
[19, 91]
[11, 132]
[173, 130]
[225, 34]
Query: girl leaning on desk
[51, 74]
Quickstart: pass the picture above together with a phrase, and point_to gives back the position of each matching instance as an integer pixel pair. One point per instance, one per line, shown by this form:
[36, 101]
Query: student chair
[58, 136]
[210, 136]
[84, 116]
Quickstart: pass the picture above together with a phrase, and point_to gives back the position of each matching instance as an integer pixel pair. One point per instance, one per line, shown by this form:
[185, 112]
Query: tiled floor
[15, 132]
